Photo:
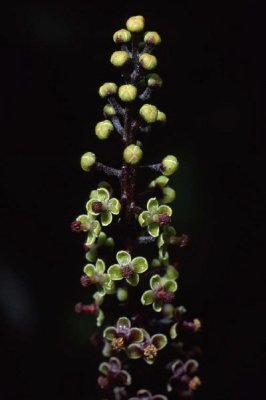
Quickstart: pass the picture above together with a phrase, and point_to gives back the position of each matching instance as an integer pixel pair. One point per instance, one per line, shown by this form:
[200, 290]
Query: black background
[54, 57]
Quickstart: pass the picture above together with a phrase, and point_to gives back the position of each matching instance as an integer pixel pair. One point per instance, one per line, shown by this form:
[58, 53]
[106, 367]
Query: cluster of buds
[130, 113]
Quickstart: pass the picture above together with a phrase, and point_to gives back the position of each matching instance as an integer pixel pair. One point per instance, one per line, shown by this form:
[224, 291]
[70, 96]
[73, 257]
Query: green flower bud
[152, 38]
[103, 129]
[148, 61]
[169, 165]
[108, 111]
[87, 161]
[149, 113]
[122, 294]
[127, 92]
[108, 89]
[122, 36]
[136, 23]
[132, 154]
[161, 117]
[154, 80]
[119, 58]
[168, 195]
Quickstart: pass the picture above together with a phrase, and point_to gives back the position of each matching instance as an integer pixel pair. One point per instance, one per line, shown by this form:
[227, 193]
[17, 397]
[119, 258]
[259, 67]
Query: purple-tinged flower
[162, 291]
[183, 378]
[122, 334]
[144, 394]
[149, 348]
[113, 374]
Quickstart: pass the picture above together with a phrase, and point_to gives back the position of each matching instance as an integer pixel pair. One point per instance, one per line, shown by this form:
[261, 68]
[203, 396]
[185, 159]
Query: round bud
[169, 165]
[149, 113]
[154, 80]
[148, 61]
[103, 129]
[119, 58]
[87, 161]
[168, 194]
[152, 38]
[108, 111]
[122, 36]
[108, 89]
[121, 294]
[132, 154]
[136, 23]
[127, 92]
[161, 117]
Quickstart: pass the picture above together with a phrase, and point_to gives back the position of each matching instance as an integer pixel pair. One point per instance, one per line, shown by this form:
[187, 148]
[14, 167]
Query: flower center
[150, 351]
[75, 226]
[123, 331]
[166, 297]
[97, 207]
[118, 343]
[127, 271]
[164, 219]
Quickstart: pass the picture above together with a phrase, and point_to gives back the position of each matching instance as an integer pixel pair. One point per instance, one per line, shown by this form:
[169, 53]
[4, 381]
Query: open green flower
[100, 203]
[162, 291]
[167, 193]
[122, 334]
[155, 217]
[113, 373]
[87, 223]
[127, 268]
[149, 348]
[96, 274]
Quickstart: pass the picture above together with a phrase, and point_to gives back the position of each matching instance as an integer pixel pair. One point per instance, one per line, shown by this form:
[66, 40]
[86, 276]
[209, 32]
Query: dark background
[54, 57]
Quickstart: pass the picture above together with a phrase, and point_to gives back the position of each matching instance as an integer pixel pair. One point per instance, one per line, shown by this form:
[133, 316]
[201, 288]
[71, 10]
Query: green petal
[101, 290]
[104, 368]
[115, 272]
[165, 210]
[107, 349]
[149, 361]
[106, 218]
[89, 270]
[191, 366]
[140, 264]
[114, 206]
[164, 256]
[94, 194]
[89, 207]
[109, 287]
[102, 238]
[152, 205]
[109, 333]
[157, 305]
[154, 229]
[134, 351]
[147, 297]
[136, 335]
[96, 227]
[170, 286]
[123, 257]
[173, 331]
[90, 238]
[98, 298]
[100, 318]
[84, 219]
[159, 341]
[103, 194]
[162, 181]
[146, 334]
[125, 377]
[171, 272]
[91, 255]
[160, 241]
[144, 218]
[100, 266]
[169, 195]
[176, 365]
[123, 321]
[133, 280]
[155, 281]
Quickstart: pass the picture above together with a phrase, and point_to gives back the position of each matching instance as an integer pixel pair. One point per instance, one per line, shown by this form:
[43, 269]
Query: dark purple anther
[75, 226]
[164, 219]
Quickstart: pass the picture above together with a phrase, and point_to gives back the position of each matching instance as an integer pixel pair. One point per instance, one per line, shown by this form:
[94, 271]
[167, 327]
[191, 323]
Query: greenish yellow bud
[103, 129]
[87, 161]
[132, 154]
[152, 38]
[122, 294]
[108, 111]
[170, 165]
[149, 113]
[119, 58]
[108, 89]
[161, 117]
[122, 36]
[168, 195]
[148, 61]
[127, 92]
[154, 80]
[136, 23]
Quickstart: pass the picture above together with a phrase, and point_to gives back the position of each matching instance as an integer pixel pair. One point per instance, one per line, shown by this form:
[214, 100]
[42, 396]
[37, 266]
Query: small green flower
[100, 203]
[149, 348]
[167, 236]
[168, 194]
[87, 223]
[127, 268]
[98, 298]
[155, 217]
[96, 274]
[92, 250]
[162, 291]
[122, 334]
